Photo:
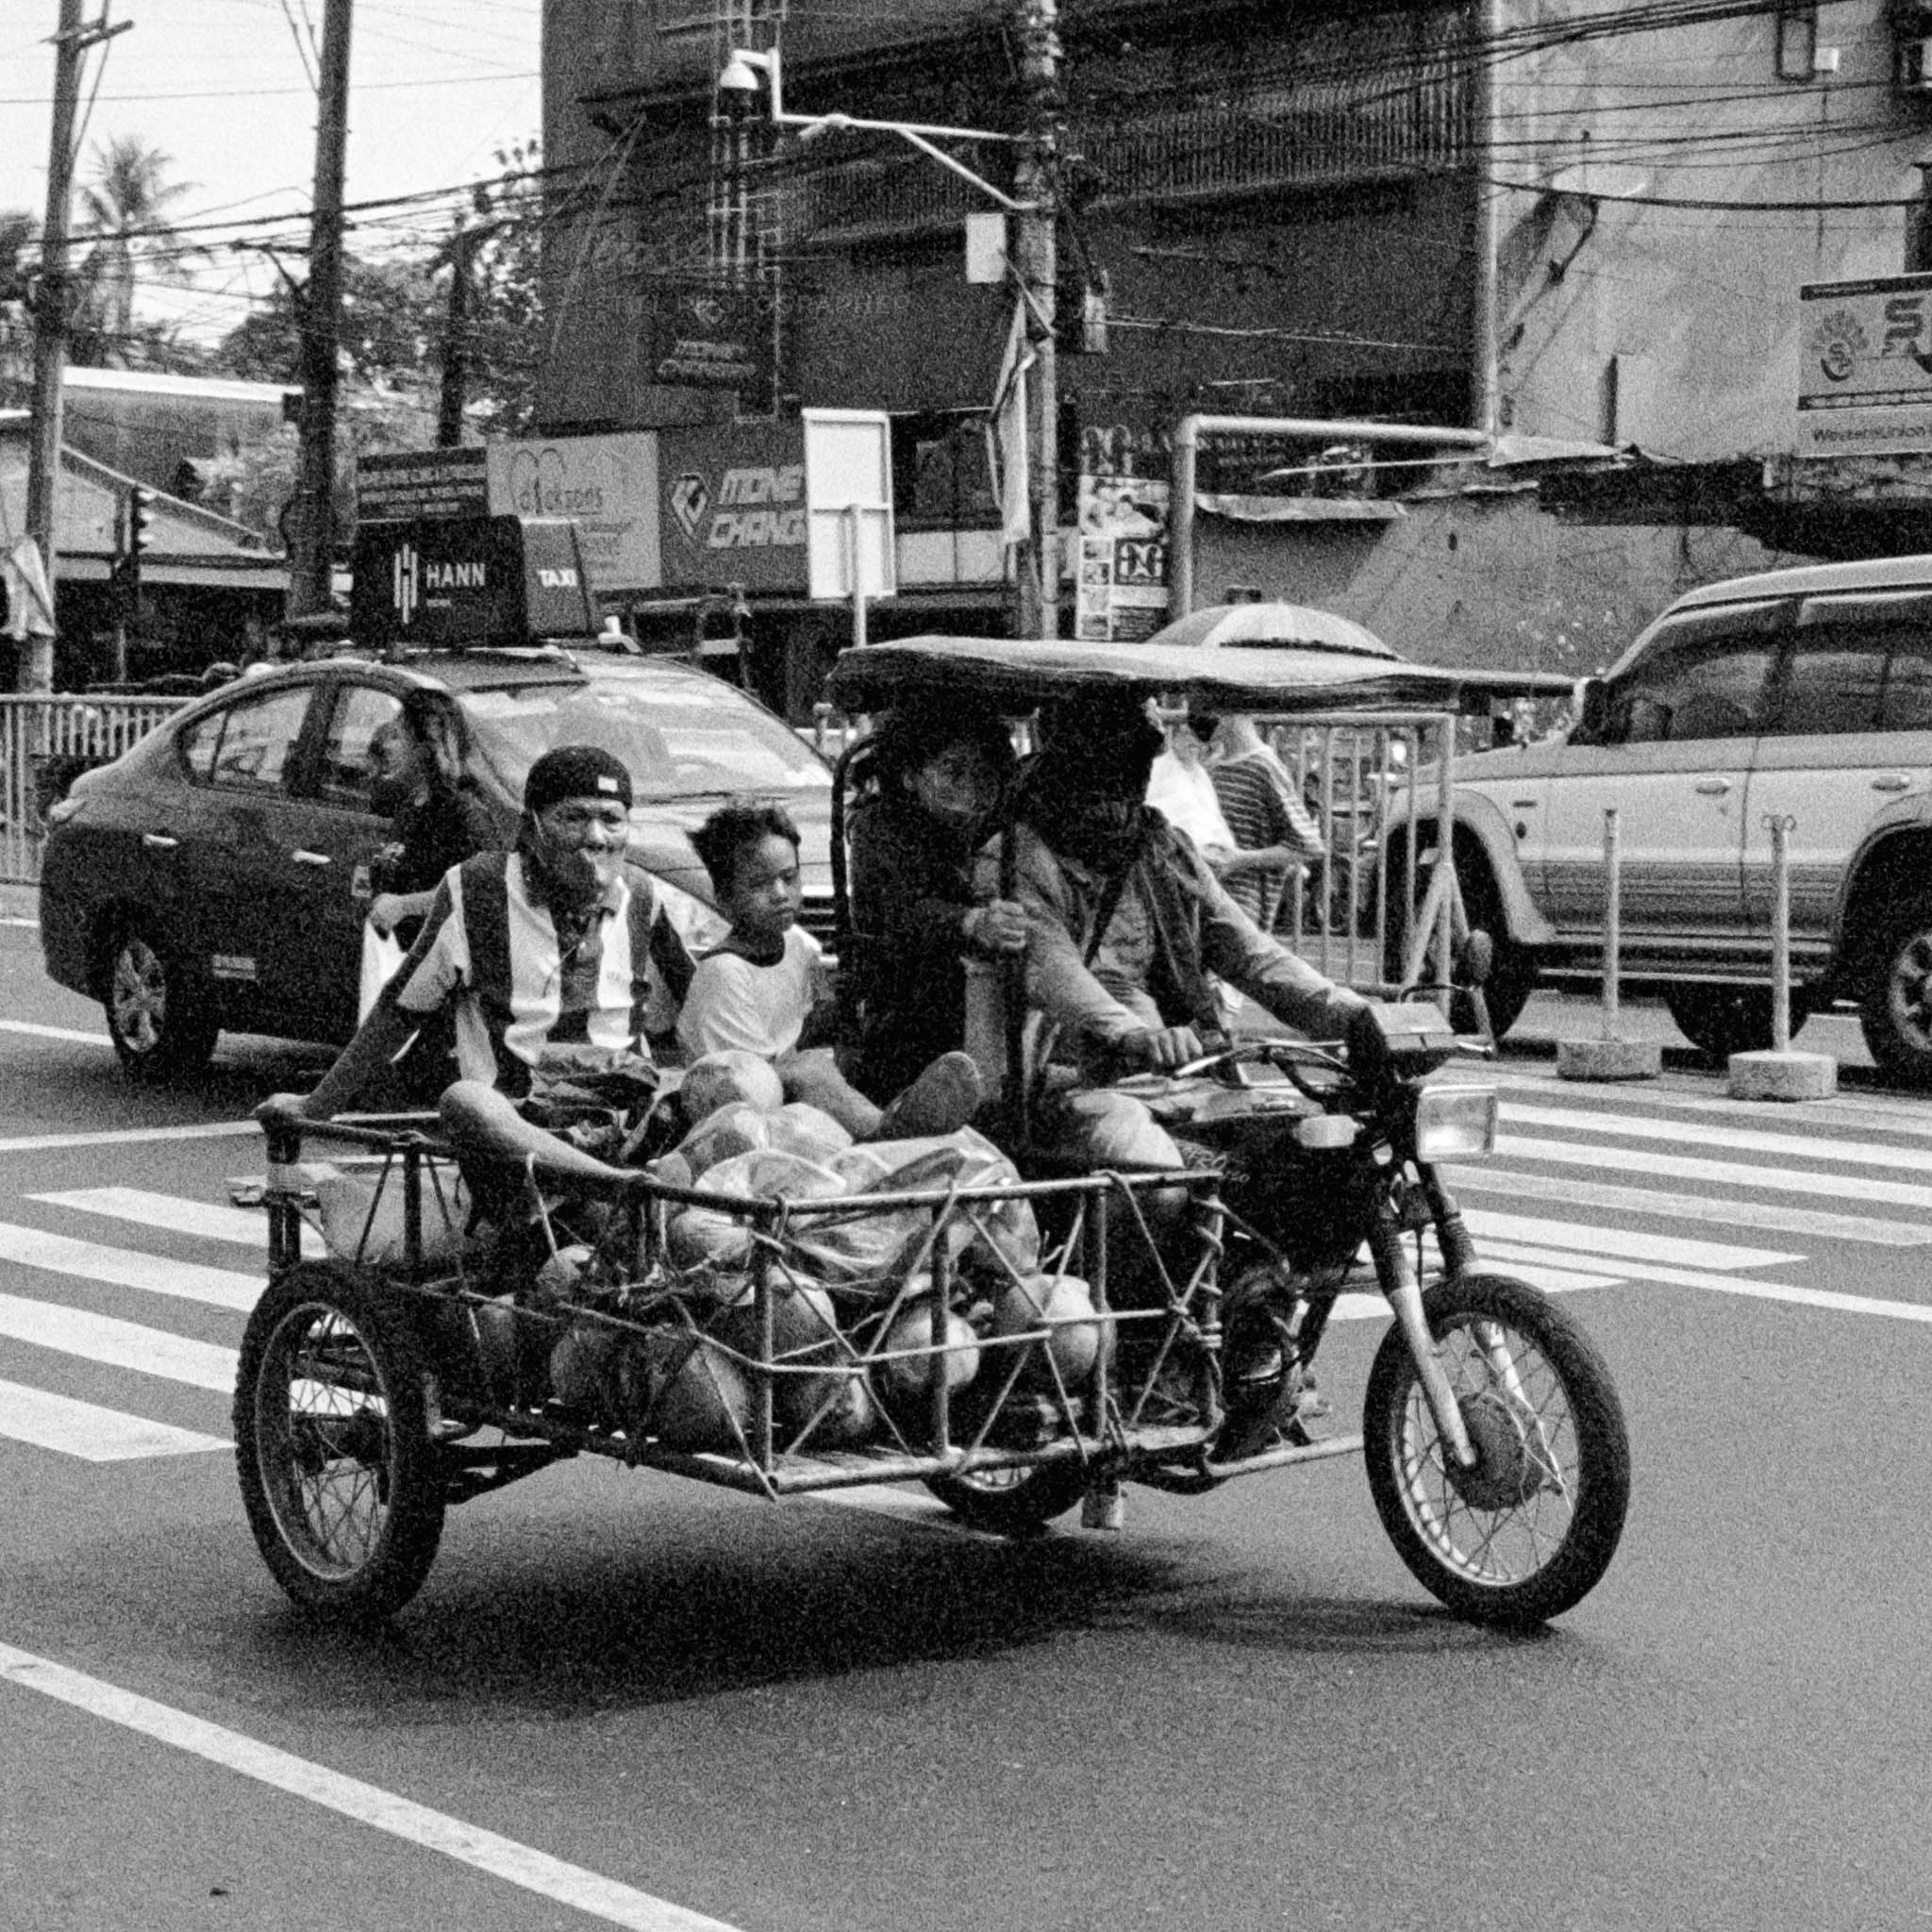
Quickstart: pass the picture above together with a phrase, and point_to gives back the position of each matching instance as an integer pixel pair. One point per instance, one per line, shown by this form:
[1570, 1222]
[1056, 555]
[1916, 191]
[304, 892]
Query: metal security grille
[44, 741]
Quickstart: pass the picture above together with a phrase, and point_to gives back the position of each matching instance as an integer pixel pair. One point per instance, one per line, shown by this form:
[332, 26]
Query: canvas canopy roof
[1017, 677]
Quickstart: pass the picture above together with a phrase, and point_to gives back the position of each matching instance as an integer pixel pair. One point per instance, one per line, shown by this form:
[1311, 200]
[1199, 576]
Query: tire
[1512, 971]
[341, 1481]
[1012, 1502]
[1896, 1011]
[1527, 1533]
[161, 1021]
[1724, 1020]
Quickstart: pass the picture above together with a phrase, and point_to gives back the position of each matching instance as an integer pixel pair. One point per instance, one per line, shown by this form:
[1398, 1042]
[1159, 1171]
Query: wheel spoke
[1529, 1416]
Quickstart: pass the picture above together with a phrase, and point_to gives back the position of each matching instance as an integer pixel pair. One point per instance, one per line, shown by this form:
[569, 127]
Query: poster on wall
[1865, 367]
[1120, 585]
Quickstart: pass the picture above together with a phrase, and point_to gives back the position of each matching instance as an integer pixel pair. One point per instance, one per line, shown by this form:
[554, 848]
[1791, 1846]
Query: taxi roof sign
[469, 582]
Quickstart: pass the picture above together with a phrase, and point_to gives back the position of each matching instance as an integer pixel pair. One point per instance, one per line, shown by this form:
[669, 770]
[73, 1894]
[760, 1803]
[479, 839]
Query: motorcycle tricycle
[787, 1321]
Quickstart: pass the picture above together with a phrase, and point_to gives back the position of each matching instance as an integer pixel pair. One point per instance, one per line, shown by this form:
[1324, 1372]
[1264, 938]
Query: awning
[1298, 509]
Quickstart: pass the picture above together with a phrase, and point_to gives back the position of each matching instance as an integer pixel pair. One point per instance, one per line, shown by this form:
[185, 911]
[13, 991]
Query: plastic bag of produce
[721, 1237]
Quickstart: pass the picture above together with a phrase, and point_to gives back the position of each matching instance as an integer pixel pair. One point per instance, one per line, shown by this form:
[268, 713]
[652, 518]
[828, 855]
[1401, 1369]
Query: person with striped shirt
[547, 957]
[1275, 834]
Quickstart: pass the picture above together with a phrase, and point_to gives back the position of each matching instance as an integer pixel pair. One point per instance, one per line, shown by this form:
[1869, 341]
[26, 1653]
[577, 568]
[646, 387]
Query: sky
[437, 87]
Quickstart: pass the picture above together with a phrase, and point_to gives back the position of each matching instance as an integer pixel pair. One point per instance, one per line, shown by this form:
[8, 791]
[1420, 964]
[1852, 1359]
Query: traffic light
[140, 521]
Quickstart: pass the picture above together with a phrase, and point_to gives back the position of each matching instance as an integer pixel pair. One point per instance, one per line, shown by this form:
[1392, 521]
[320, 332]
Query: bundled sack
[723, 1135]
[685, 1390]
[738, 1127]
[363, 1218]
[818, 1383]
[715, 1238]
[722, 1080]
[871, 1247]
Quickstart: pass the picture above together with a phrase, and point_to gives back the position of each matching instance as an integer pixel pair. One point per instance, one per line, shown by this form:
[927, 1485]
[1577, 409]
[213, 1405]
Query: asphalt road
[663, 1700]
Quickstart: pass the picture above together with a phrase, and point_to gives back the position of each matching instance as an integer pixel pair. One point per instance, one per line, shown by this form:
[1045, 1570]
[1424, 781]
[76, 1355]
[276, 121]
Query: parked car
[215, 875]
[1802, 695]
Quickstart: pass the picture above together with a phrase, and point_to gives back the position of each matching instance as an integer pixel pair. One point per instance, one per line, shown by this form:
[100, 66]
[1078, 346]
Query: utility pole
[456, 343]
[71, 42]
[311, 560]
[1035, 24]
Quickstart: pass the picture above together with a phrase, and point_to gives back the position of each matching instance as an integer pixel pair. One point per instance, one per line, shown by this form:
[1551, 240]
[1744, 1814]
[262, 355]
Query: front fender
[1479, 823]
[1894, 857]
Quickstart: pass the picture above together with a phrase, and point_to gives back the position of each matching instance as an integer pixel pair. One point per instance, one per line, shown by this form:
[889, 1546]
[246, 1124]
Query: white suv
[1799, 693]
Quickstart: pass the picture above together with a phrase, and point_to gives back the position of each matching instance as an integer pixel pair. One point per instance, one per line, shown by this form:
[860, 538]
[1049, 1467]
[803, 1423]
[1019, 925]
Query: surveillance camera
[826, 124]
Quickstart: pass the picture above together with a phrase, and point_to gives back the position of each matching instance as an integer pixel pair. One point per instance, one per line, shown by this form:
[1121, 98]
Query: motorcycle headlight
[1455, 1123]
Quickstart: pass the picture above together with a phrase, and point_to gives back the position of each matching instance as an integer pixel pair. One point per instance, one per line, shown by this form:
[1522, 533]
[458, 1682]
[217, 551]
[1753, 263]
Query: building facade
[1575, 220]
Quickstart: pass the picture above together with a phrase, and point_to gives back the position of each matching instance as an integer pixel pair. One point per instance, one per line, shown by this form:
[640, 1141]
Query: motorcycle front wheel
[1527, 1532]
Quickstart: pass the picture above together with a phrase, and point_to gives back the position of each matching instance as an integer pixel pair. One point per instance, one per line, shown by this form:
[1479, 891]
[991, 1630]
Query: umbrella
[1280, 625]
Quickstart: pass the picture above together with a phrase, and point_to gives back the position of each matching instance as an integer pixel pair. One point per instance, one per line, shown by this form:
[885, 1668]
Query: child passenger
[763, 989]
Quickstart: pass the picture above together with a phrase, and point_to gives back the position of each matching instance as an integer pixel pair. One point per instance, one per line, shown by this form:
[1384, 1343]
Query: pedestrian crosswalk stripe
[83, 1429]
[1883, 1113]
[1788, 1180]
[130, 1137]
[1735, 1140]
[118, 1344]
[1607, 1243]
[36, 1031]
[1724, 1210]
[246, 1226]
[59, 1254]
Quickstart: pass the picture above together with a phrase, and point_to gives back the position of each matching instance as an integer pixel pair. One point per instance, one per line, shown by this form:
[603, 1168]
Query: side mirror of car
[1592, 711]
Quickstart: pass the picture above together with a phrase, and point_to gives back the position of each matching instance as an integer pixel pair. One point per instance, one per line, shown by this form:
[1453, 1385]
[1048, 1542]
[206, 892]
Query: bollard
[1782, 1074]
[1610, 1057]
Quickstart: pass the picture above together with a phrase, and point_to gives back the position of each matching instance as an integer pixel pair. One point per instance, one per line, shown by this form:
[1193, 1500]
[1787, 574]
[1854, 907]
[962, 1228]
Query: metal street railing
[44, 743]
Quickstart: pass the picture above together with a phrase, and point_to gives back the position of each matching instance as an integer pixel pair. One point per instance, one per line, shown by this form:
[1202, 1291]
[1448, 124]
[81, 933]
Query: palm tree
[17, 250]
[126, 203]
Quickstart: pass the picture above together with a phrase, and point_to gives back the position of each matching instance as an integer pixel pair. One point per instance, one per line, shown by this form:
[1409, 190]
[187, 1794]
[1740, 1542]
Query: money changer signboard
[1865, 367]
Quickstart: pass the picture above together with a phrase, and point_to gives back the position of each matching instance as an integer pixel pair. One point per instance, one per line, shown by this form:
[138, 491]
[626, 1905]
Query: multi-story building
[1586, 221]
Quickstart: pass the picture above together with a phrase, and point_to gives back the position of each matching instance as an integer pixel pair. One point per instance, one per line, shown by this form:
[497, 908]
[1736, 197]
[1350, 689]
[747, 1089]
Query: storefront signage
[1865, 367]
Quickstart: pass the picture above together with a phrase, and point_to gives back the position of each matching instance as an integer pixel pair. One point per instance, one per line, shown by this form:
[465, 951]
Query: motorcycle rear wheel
[1012, 1502]
[1530, 1531]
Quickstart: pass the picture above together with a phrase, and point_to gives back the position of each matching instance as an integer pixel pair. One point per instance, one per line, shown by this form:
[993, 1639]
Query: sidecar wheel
[1525, 1534]
[339, 1475]
[1012, 1502]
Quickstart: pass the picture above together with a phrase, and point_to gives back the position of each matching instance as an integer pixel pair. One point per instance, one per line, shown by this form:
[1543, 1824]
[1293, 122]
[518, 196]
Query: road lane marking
[1760, 1218]
[1871, 1112]
[516, 1864]
[1790, 1180]
[247, 1226]
[93, 1434]
[130, 1137]
[36, 1032]
[118, 1344]
[59, 1254]
[1739, 1140]
[1607, 1243]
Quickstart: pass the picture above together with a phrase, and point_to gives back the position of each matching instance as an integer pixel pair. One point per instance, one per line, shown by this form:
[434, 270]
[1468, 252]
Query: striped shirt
[1262, 808]
[525, 985]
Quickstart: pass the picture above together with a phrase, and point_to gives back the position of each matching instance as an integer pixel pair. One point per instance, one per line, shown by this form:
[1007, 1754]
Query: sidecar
[938, 1319]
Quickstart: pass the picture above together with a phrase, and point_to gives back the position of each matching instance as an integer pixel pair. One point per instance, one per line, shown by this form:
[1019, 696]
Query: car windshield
[680, 736]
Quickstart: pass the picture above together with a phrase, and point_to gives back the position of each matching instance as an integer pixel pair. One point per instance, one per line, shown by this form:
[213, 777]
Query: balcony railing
[1393, 124]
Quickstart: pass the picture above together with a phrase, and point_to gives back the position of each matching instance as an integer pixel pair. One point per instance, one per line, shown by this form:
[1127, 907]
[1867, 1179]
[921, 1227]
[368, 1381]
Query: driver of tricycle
[545, 954]
[1126, 923]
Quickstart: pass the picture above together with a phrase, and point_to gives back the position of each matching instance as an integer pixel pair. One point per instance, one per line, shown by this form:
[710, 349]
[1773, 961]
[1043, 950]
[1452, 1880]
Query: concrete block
[1788, 1075]
[1608, 1059]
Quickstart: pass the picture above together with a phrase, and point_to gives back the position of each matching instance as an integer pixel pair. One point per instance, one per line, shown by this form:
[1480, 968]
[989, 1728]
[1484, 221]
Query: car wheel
[1896, 1012]
[161, 1021]
[1724, 1020]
